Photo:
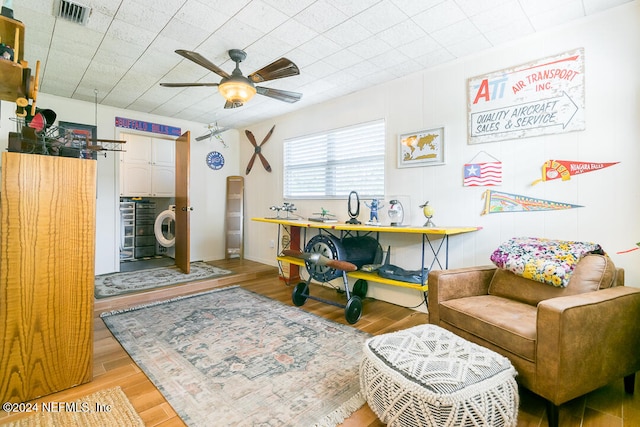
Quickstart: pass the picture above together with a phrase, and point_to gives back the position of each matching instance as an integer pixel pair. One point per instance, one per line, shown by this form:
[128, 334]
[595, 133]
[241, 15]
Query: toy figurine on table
[373, 215]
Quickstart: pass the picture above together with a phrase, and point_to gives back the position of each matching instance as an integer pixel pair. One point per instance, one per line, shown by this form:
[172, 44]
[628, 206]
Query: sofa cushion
[506, 323]
[593, 272]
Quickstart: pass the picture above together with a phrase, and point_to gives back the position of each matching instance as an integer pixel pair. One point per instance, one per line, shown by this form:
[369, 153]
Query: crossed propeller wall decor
[257, 152]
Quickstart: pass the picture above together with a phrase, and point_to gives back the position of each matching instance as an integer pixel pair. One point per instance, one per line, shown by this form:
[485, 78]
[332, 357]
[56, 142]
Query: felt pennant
[564, 169]
[497, 202]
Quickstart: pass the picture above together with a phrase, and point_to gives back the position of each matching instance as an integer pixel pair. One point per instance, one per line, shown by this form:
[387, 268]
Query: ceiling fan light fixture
[237, 90]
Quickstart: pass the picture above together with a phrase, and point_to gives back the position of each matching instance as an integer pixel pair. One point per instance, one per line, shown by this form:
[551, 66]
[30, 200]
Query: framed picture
[422, 148]
[77, 135]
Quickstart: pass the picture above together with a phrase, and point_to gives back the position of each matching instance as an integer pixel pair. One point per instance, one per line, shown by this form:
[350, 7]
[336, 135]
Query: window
[330, 165]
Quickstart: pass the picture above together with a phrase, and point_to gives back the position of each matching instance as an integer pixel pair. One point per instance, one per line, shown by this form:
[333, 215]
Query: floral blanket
[543, 260]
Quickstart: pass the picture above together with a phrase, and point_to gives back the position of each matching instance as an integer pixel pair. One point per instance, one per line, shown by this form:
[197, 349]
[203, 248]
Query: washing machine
[165, 227]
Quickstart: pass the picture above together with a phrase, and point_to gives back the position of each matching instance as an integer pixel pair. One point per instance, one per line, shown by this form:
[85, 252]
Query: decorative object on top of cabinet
[235, 217]
[238, 89]
[421, 148]
[257, 150]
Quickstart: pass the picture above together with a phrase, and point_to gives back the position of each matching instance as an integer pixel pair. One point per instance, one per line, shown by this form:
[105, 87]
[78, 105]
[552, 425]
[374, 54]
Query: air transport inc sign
[538, 98]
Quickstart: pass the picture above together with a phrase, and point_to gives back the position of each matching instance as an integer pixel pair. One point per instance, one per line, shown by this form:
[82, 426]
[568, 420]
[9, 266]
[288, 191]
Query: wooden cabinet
[47, 268]
[148, 167]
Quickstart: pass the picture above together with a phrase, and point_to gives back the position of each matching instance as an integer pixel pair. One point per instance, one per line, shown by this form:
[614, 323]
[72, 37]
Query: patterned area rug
[114, 410]
[235, 358]
[109, 285]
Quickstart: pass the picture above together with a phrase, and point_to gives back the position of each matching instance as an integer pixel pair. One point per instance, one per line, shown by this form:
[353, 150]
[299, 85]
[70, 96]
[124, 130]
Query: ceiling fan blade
[250, 165]
[230, 104]
[187, 84]
[281, 95]
[266, 164]
[252, 139]
[276, 70]
[202, 61]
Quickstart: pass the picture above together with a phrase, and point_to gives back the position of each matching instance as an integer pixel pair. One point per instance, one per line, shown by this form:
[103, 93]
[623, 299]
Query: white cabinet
[147, 167]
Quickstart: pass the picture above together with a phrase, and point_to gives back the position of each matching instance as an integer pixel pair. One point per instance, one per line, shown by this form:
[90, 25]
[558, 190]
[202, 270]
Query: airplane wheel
[353, 310]
[299, 296]
[360, 288]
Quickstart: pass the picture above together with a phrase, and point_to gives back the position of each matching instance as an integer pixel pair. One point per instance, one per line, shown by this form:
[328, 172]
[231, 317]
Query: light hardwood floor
[606, 407]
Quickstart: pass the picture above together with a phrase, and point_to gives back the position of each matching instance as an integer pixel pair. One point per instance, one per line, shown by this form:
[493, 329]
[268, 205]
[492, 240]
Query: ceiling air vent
[73, 12]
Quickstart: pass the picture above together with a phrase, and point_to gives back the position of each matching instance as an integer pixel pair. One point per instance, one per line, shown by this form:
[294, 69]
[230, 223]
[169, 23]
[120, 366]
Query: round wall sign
[215, 160]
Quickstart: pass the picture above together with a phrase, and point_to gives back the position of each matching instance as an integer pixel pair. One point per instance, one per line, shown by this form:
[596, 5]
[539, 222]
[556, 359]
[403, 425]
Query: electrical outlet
[272, 244]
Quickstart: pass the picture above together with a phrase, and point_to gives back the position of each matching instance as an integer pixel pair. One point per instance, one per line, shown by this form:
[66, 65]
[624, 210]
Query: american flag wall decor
[482, 174]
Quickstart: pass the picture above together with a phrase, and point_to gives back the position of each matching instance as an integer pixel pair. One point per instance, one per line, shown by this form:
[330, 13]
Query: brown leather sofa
[564, 342]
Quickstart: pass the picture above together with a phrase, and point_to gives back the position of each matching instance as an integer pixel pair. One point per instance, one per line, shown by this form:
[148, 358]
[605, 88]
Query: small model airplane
[286, 207]
[324, 216]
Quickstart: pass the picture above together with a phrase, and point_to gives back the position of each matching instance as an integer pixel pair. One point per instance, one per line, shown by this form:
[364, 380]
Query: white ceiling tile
[420, 47]
[199, 15]
[99, 21]
[140, 15]
[380, 17]
[293, 33]
[122, 30]
[320, 69]
[352, 8]
[437, 57]
[475, 7]
[456, 33]
[368, 48]
[343, 59]
[468, 46]
[413, 7]
[498, 17]
[440, 16]
[348, 33]
[180, 32]
[290, 7]
[320, 46]
[402, 33]
[321, 15]
[261, 16]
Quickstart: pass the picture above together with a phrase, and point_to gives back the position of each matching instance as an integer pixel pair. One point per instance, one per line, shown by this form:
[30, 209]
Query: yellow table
[296, 226]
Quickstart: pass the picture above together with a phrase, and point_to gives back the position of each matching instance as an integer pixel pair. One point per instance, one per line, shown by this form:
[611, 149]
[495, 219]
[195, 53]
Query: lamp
[237, 89]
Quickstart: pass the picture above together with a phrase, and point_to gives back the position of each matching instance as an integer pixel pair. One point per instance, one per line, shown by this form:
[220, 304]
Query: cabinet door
[163, 153]
[163, 181]
[137, 149]
[136, 179]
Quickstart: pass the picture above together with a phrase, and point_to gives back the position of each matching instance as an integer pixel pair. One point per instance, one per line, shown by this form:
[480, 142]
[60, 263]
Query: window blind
[331, 164]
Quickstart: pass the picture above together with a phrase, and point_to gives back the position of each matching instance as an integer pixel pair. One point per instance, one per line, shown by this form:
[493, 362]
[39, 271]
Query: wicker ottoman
[427, 376]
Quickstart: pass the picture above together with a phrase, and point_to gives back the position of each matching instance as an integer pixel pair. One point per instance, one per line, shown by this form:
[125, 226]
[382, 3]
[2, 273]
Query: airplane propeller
[258, 150]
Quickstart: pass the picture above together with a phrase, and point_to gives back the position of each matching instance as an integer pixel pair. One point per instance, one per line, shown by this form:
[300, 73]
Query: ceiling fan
[238, 89]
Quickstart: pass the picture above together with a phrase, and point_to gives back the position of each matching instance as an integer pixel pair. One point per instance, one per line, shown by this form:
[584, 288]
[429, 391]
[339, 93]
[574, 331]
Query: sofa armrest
[456, 283]
[585, 341]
